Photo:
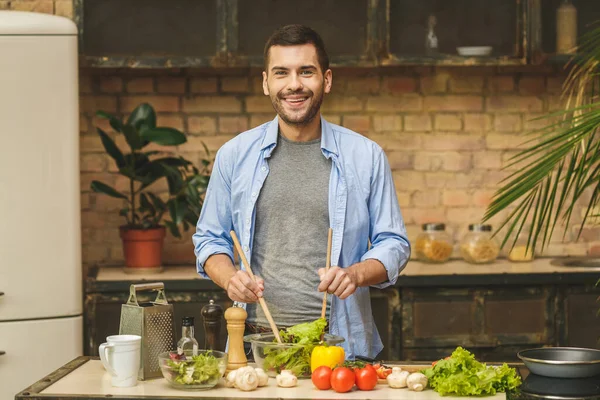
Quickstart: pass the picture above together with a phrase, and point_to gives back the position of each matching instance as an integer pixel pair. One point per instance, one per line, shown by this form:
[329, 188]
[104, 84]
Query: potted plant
[147, 213]
[560, 167]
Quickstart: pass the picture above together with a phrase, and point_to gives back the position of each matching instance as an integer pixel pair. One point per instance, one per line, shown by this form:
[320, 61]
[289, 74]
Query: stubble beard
[301, 119]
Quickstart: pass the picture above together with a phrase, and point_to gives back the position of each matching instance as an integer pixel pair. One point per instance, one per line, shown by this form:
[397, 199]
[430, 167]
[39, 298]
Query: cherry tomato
[321, 377]
[366, 378]
[342, 379]
[383, 372]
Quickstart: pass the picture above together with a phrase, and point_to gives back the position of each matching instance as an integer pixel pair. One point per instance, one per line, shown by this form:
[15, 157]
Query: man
[280, 187]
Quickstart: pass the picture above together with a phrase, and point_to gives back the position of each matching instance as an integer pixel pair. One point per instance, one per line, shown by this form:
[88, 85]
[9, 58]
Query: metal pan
[558, 389]
[562, 362]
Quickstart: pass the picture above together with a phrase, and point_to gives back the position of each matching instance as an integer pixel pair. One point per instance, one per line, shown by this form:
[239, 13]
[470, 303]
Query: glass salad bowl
[274, 357]
[202, 371]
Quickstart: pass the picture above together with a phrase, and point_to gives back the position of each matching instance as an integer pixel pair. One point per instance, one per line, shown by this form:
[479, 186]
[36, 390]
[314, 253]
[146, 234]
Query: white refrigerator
[40, 233]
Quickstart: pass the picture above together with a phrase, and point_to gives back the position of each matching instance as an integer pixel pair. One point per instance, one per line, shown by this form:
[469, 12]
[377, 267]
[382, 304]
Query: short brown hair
[292, 35]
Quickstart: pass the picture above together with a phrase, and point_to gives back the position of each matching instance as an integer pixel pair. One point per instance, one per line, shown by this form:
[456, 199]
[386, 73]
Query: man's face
[295, 83]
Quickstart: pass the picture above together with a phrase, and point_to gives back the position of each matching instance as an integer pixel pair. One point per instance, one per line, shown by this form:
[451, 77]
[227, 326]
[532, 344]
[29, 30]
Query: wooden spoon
[327, 265]
[261, 300]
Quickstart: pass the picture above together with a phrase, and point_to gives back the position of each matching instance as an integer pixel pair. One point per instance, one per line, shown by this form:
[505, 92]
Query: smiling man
[281, 185]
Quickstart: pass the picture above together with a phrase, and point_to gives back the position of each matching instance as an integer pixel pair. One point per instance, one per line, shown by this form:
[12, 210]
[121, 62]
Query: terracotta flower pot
[143, 249]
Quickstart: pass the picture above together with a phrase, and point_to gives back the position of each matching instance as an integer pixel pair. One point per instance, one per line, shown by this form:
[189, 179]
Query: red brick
[105, 203]
[90, 104]
[341, 104]
[213, 143]
[203, 85]
[219, 104]
[367, 85]
[447, 160]
[101, 123]
[492, 179]
[259, 119]
[464, 215]
[487, 160]
[537, 121]
[399, 84]
[90, 143]
[111, 84]
[233, 124]
[482, 198]
[435, 84]
[448, 141]
[386, 123]
[514, 103]
[454, 180]
[357, 123]
[556, 103]
[400, 160]
[259, 104]
[453, 103]
[403, 199]
[478, 122]
[407, 180]
[554, 85]
[179, 253]
[417, 123]
[507, 122]
[202, 124]
[140, 85]
[92, 163]
[532, 85]
[466, 84]
[425, 198]
[332, 119]
[448, 122]
[170, 84]
[405, 103]
[84, 124]
[170, 121]
[398, 141]
[502, 84]
[508, 162]
[159, 103]
[63, 8]
[504, 141]
[235, 84]
[454, 198]
[40, 6]
[423, 215]
[94, 254]
[85, 84]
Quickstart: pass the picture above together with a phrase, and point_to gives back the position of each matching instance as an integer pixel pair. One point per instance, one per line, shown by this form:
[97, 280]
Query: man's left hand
[338, 281]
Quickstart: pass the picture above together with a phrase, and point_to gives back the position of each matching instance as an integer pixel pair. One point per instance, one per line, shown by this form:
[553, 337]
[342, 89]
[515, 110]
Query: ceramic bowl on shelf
[474, 51]
[193, 373]
[274, 357]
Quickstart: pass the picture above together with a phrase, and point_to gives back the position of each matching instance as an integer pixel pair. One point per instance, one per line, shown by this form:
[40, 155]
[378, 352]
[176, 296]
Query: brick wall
[447, 132]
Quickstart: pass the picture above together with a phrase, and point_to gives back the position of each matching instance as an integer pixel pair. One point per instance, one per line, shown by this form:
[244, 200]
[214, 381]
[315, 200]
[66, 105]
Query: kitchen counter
[416, 274]
[85, 379]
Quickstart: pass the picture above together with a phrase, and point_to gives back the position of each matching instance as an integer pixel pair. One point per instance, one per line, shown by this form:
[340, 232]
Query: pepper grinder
[212, 313]
[236, 319]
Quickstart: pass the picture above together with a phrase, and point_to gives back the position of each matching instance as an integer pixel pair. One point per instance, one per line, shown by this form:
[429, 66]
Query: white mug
[120, 356]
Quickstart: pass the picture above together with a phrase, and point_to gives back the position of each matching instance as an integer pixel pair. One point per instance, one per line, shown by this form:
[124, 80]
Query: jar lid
[480, 228]
[434, 226]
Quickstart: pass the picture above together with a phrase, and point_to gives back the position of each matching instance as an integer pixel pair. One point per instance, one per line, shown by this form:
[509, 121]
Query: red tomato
[342, 379]
[321, 377]
[366, 378]
[383, 372]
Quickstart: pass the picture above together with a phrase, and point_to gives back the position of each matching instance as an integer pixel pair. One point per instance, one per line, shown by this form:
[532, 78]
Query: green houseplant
[559, 168]
[147, 213]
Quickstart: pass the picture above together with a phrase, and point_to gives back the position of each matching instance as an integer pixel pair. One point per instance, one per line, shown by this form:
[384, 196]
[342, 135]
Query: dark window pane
[588, 17]
[459, 23]
[341, 23]
[150, 27]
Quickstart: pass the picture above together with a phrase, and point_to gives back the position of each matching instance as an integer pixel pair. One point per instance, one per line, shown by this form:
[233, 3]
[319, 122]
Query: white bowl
[474, 51]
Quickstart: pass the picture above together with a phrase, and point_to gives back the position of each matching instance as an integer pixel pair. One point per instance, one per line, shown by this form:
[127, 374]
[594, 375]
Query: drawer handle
[2, 353]
[1, 293]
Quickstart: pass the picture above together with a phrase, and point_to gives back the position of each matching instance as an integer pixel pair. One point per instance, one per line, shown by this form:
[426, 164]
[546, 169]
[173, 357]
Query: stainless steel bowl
[562, 362]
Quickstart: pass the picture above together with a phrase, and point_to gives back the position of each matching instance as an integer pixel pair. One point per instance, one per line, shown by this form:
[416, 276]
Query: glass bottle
[478, 246]
[566, 28]
[431, 39]
[520, 251]
[433, 245]
[187, 341]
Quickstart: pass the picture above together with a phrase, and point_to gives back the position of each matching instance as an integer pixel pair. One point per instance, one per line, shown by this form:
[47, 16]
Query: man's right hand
[241, 287]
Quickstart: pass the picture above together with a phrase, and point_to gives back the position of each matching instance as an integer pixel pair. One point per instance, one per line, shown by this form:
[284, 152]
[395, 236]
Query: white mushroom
[286, 379]
[397, 379]
[263, 378]
[230, 380]
[246, 379]
[416, 381]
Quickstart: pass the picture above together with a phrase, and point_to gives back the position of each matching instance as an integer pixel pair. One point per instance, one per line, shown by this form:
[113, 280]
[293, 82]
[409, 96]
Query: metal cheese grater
[154, 322]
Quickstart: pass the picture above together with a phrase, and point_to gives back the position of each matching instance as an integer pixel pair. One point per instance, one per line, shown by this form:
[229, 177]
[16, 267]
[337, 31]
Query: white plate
[474, 50]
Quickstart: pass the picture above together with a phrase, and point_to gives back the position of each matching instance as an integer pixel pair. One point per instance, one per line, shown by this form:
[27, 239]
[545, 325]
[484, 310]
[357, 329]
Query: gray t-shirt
[290, 237]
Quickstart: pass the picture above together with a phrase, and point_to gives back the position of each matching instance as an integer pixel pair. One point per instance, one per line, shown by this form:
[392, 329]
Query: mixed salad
[194, 370]
[296, 359]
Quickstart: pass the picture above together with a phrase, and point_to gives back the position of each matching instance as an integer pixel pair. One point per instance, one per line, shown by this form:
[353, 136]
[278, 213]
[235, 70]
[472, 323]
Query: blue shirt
[363, 212]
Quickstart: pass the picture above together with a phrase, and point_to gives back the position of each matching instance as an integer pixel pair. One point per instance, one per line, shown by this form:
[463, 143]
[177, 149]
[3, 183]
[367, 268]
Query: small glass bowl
[171, 370]
[274, 357]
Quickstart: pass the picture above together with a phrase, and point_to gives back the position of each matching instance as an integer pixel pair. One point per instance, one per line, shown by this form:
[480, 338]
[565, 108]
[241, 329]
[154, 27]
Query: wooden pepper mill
[236, 320]
[212, 313]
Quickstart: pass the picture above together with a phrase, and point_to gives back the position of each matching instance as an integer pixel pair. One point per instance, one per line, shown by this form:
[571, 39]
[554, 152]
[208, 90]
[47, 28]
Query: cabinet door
[582, 323]
[31, 350]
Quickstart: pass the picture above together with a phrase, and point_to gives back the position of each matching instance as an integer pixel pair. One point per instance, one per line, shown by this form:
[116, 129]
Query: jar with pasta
[521, 251]
[433, 245]
[478, 246]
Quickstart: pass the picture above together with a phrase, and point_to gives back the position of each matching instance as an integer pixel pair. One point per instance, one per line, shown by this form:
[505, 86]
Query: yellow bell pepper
[326, 355]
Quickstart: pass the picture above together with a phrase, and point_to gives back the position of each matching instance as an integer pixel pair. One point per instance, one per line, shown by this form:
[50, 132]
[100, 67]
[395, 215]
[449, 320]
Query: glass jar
[520, 251]
[478, 246]
[433, 245]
